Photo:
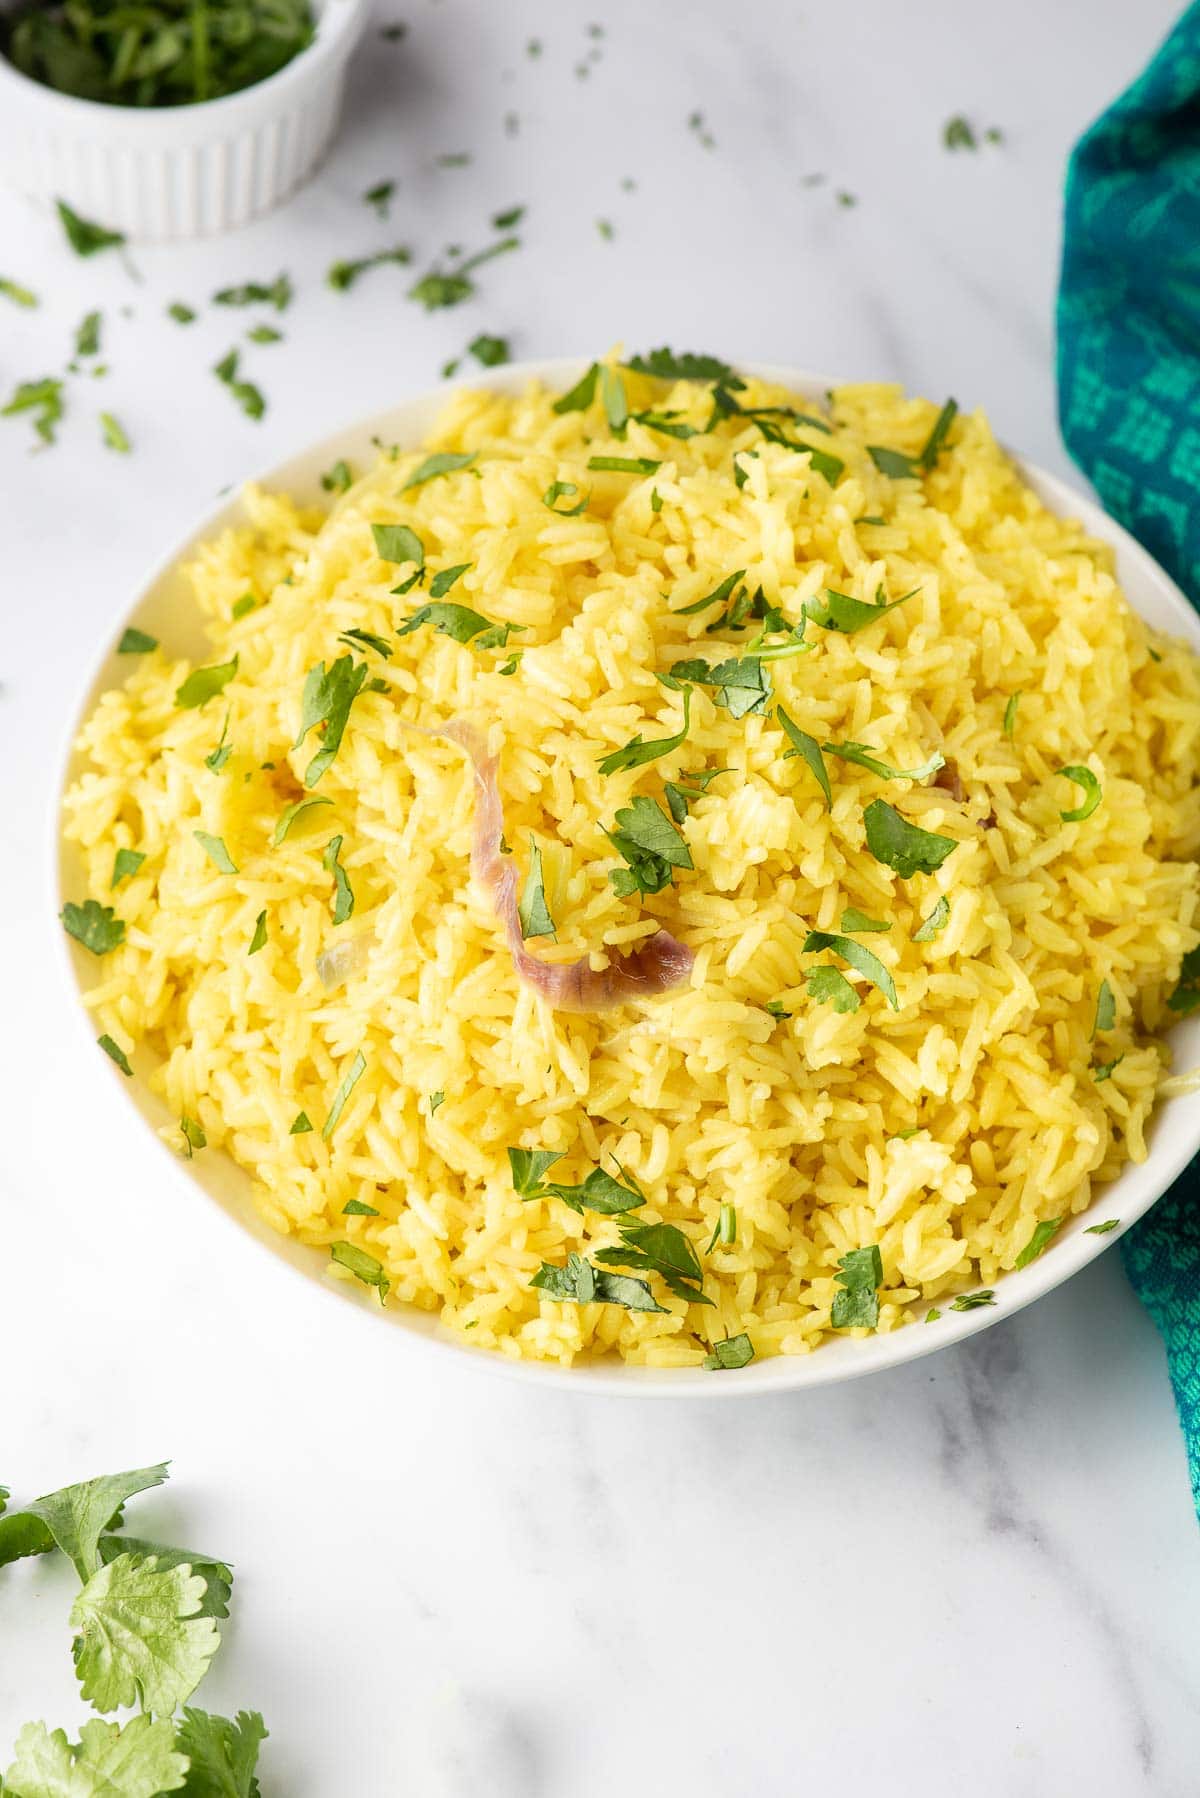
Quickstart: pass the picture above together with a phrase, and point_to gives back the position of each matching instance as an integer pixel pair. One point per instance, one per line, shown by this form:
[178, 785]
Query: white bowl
[171, 172]
[163, 608]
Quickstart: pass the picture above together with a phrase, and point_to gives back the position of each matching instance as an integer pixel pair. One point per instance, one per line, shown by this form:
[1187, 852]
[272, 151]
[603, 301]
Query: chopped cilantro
[126, 862]
[264, 334]
[507, 221]
[665, 365]
[725, 1228]
[342, 275]
[829, 986]
[958, 135]
[861, 754]
[600, 1192]
[901, 845]
[729, 1353]
[380, 196]
[327, 699]
[338, 479]
[87, 336]
[935, 922]
[842, 612]
[742, 684]
[1084, 779]
[301, 1125]
[44, 399]
[247, 395]
[613, 398]
[364, 1267]
[777, 1009]
[114, 434]
[580, 1283]
[604, 228]
[973, 1301]
[94, 925]
[662, 1249]
[527, 1167]
[809, 750]
[1010, 714]
[718, 596]
[343, 902]
[650, 845]
[441, 583]
[115, 1053]
[532, 910]
[854, 921]
[1102, 1229]
[638, 751]
[579, 397]
[289, 816]
[1043, 1234]
[277, 293]
[360, 639]
[84, 236]
[216, 852]
[20, 296]
[623, 464]
[203, 684]
[241, 606]
[857, 956]
[356, 1208]
[444, 462]
[258, 940]
[398, 543]
[461, 623]
[183, 315]
[193, 1136]
[856, 1306]
[899, 467]
[1186, 997]
[564, 490]
[1104, 1070]
[438, 289]
[1106, 1009]
[436, 1099]
[353, 1075]
[491, 352]
[135, 643]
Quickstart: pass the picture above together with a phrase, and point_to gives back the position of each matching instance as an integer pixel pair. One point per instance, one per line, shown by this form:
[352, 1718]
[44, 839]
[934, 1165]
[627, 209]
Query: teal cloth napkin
[1129, 406]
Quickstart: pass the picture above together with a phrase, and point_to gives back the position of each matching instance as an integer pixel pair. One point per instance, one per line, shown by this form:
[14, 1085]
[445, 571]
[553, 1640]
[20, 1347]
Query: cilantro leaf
[1104, 1070]
[248, 396]
[84, 236]
[139, 1638]
[138, 1760]
[842, 612]
[445, 462]
[327, 699]
[294, 811]
[356, 1208]
[580, 1283]
[343, 275]
[1102, 1229]
[74, 1517]
[126, 863]
[360, 639]
[116, 1053]
[624, 464]
[364, 1267]
[718, 596]
[854, 920]
[665, 365]
[221, 754]
[203, 684]
[398, 543]
[20, 296]
[903, 846]
[253, 293]
[193, 1136]
[449, 619]
[489, 351]
[222, 1753]
[353, 1075]
[742, 685]
[379, 196]
[563, 490]
[505, 221]
[532, 910]
[1010, 714]
[600, 1192]
[829, 986]
[1043, 1234]
[216, 852]
[527, 1167]
[662, 1249]
[442, 582]
[935, 922]
[856, 1306]
[87, 336]
[807, 747]
[301, 1125]
[857, 956]
[43, 398]
[1092, 794]
[651, 846]
[183, 315]
[637, 752]
[579, 397]
[343, 900]
[958, 135]
[900, 467]
[259, 939]
[729, 1353]
[1106, 1009]
[217, 1575]
[439, 288]
[1186, 996]
[338, 479]
[135, 643]
[973, 1301]
[95, 926]
[616, 405]
[863, 756]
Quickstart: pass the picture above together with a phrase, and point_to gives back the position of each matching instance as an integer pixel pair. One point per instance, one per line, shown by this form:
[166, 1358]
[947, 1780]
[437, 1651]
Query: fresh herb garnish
[115, 1053]
[901, 845]
[842, 612]
[665, 365]
[600, 1192]
[935, 922]
[203, 684]
[339, 479]
[20, 296]
[264, 334]
[729, 1353]
[193, 1136]
[613, 398]
[444, 462]
[87, 336]
[258, 940]
[564, 490]
[527, 1167]
[364, 1267]
[742, 685]
[136, 643]
[353, 1075]
[1010, 714]
[248, 396]
[114, 434]
[301, 1126]
[342, 275]
[623, 464]
[257, 293]
[579, 397]
[725, 1228]
[461, 623]
[899, 467]
[532, 910]
[507, 221]
[94, 925]
[380, 196]
[778, 1010]
[1102, 1229]
[638, 751]
[44, 399]
[356, 1208]
[1186, 997]
[718, 596]
[1043, 1234]
[126, 862]
[1104, 1070]
[360, 639]
[579, 1283]
[490, 352]
[864, 757]
[398, 543]
[216, 852]
[973, 1301]
[441, 583]
[328, 697]
[289, 816]
[856, 922]
[436, 1099]
[856, 1306]
[661, 1249]
[809, 750]
[958, 135]
[829, 986]
[438, 289]
[1106, 1009]
[1084, 779]
[183, 315]
[241, 606]
[84, 236]
[649, 844]
[343, 900]
[857, 956]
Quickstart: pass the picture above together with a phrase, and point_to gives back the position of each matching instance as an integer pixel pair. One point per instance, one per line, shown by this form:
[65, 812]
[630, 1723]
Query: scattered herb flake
[857, 956]
[1043, 1234]
[901, 845]
[353, 1075]
[216, 852]
[1102, 1229]
[93, 925]
[327, 699]
[854, 921]
[444, 462]
[341, 276]
[338, 479]
[115, 1053]
[44, 399]
[257, 293]
[136, 643]
[343, 902]
[973, 1301]
[650, 845]
[20, 296]
[532, 910]
[809, 750]
[114, 434]
[1106, 1009]
[380, 196]
[193, 1136]
[126, 862]
[247, 395]
[580, 1283]
[301, 1126]
[183, 315]
[1010, 714]
[856, 1306]
[84, 236]
[564, 490]
[935, 922]
[258, 940]
[442, 582]
[297, 808]
[527, 1167]
[637, 752]
[1092, 793]
[203, 684]
[829, 986]
[364, 1267]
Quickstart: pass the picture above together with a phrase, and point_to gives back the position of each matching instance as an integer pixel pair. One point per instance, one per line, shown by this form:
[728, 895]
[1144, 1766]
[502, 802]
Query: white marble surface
[979, 1573]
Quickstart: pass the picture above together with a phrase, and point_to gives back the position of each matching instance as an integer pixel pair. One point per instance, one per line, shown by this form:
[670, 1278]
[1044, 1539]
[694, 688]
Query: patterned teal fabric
[1129, 405]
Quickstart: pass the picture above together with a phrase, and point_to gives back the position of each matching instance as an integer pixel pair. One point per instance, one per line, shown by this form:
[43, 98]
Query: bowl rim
[336, 25]
[1071, 1251]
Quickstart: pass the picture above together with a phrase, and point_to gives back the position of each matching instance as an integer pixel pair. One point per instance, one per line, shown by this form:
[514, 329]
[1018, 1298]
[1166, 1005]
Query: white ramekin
[161, 173]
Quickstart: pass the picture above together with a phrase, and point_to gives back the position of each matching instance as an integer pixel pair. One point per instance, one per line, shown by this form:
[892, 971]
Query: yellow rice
[805, 1123]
